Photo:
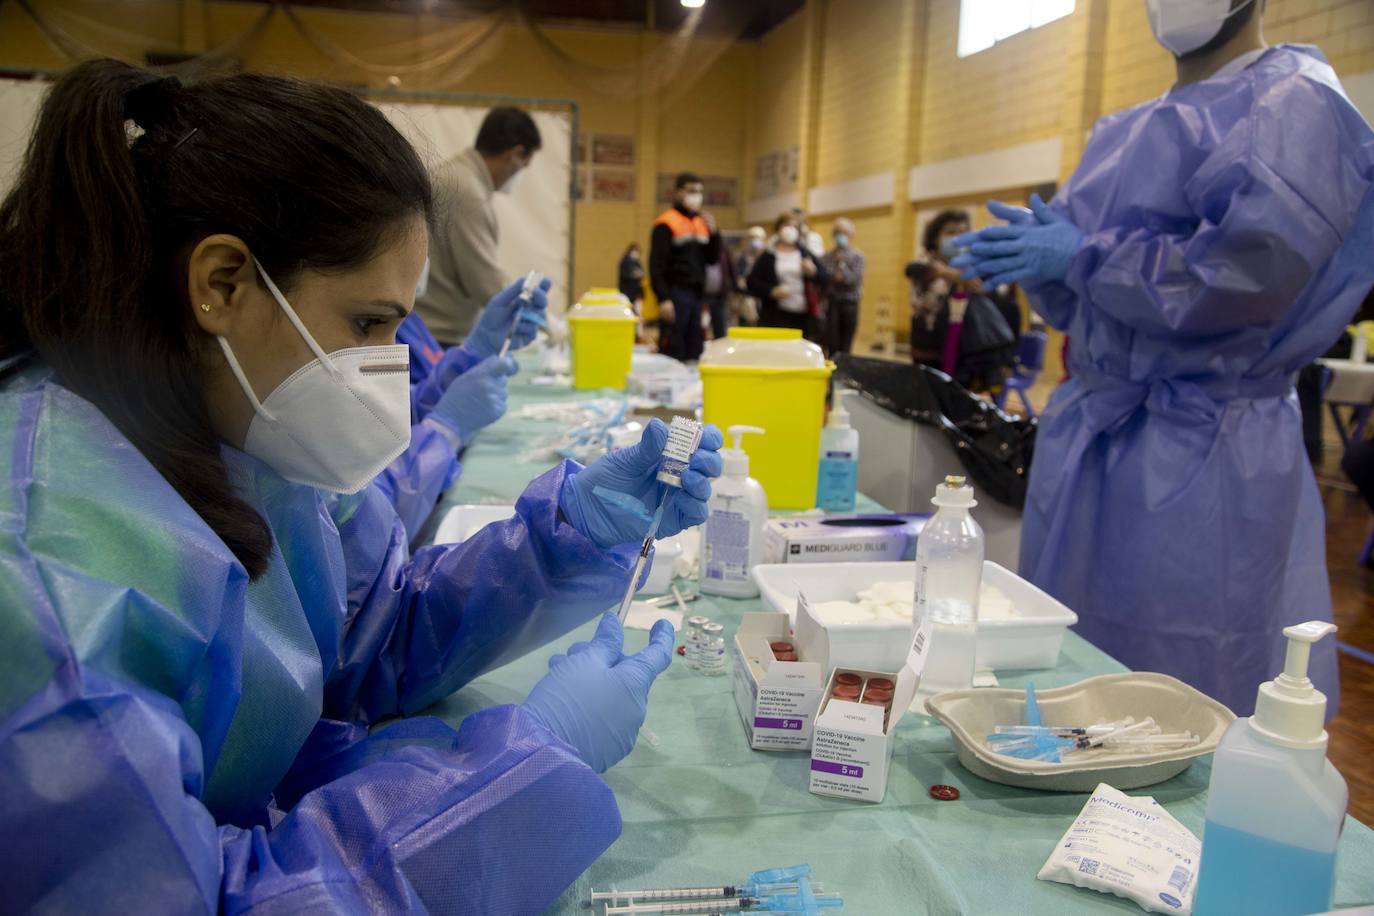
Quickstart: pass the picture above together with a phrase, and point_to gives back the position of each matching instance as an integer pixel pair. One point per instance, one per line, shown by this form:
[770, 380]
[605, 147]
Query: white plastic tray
[1030, 640]
[971, 715]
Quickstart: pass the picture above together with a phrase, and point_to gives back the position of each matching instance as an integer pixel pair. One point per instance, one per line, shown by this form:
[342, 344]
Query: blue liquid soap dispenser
[1275, 804]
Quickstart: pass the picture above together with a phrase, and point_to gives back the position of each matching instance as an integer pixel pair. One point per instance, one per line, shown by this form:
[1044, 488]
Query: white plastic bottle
[949, 571]
[732, 538]
[837, 482]
[1275, 804]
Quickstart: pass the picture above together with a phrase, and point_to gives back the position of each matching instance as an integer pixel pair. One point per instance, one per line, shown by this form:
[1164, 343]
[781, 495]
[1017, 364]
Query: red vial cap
[845, 692]
[780, 646]
[848, 678]
[882, 683]
[879, 694]
[944, 793]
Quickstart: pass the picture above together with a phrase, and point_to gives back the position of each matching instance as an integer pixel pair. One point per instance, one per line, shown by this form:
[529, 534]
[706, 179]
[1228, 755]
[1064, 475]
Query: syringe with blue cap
[769, 905]
[778, 890]
[523, 311]
[759, 882]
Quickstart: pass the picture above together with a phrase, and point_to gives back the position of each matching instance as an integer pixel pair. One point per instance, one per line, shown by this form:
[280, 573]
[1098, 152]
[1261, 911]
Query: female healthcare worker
[199, 290]
[1211, 243]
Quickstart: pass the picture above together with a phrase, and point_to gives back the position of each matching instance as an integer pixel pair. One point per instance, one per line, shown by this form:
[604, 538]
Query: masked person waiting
[683, 242]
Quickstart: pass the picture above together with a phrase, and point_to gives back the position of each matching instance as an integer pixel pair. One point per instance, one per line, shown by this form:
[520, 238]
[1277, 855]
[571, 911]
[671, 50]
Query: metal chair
[1030, 359]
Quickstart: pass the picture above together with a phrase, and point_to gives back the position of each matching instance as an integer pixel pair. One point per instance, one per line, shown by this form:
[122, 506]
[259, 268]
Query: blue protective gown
[1171, 503]
[175, 738]
[429, 466]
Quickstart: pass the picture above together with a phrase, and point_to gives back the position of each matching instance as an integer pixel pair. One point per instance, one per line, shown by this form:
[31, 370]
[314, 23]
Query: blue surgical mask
[841, 240]
[948, 250]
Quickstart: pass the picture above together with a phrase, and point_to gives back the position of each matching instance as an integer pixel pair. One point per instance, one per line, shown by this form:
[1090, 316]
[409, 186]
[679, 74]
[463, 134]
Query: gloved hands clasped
[595, 696]
[475, 399]
[612, 500]
[1034, 245]
[502, 313]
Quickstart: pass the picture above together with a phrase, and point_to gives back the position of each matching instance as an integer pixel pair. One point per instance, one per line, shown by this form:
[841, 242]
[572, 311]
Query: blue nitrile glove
[499, 315]
[588, 498]
[1036, 245]
[595, 696]
[475, 399]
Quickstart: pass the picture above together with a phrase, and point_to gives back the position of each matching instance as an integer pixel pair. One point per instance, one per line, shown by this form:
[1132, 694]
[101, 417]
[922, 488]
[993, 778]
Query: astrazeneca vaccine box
[851, 747]
[777, 700]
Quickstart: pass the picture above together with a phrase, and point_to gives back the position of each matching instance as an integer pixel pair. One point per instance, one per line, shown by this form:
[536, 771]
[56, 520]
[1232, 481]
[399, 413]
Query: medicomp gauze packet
[1130, 847]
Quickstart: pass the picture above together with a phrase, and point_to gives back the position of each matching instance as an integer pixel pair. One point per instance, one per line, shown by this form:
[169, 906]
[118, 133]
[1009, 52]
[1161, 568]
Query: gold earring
[205, 307]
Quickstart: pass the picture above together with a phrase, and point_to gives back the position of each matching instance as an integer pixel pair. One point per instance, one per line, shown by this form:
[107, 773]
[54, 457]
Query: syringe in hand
[532, 281]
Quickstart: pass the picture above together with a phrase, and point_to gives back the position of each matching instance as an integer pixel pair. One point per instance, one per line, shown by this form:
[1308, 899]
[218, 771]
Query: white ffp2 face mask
[335, 422]
[789, 235]
[692, 202]
[1183, 26]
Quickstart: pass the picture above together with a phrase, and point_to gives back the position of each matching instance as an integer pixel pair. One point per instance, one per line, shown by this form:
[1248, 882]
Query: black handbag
[985, 329]
[993, 447]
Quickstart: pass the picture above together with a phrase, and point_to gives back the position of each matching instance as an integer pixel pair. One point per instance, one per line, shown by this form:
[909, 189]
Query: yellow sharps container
[770, 377]
[603, 340]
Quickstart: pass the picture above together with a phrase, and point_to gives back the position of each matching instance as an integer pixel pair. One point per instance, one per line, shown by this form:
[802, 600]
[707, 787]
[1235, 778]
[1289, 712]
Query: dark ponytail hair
[125, 173]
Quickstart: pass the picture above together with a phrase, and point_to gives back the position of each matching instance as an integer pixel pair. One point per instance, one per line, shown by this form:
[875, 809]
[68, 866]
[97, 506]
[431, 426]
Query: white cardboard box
[777, 700]
[851, 749]
[837, 539]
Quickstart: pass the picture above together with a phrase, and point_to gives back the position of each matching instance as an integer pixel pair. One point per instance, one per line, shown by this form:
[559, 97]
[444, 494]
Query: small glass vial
[684, 436]
[693, 640]
[712, 649]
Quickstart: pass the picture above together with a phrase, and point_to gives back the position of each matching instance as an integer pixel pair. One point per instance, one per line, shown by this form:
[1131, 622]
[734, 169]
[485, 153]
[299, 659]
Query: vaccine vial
[684, 436]
[693, 640]
[712, 658]
[845, 692]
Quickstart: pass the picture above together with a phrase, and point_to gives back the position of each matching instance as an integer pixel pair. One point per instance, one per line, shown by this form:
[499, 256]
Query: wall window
[983, 23]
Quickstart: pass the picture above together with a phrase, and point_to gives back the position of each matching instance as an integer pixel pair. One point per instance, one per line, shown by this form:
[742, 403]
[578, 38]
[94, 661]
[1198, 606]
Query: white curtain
[19, 101]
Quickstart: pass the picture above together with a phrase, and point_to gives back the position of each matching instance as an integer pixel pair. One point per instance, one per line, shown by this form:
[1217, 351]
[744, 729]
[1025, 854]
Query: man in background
[463, 273]
[845, 264]
[683, 242]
